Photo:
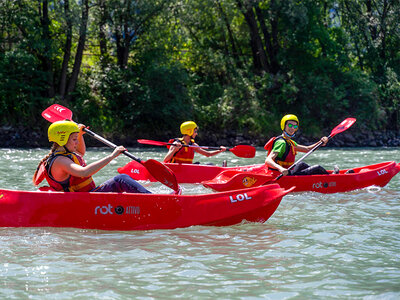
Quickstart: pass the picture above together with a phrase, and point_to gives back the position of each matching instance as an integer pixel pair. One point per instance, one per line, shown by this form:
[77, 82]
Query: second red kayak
[357, 178]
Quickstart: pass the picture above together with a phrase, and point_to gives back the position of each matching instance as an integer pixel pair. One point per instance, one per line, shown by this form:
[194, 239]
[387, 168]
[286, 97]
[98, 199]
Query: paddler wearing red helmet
[282, 150]
[65, 169]
[179, 154]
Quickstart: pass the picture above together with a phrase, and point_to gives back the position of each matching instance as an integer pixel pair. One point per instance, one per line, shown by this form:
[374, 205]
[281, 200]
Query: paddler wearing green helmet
[177, 153]
[282, 150]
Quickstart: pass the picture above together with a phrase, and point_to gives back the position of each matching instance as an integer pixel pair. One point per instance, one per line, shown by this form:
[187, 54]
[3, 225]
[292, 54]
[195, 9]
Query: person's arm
[63, 166]
[301, 148]
[270, 161]
[81, 149]
[172, 150]
[209, 153]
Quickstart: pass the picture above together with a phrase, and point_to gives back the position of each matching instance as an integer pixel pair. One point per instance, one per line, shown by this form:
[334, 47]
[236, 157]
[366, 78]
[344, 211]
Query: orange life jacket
[288, 157]
[71, 184]
[185, 155]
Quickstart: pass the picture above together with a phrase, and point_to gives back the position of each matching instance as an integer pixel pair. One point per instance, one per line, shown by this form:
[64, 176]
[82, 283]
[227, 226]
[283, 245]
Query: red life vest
[71, 184]
[288, 157]
[185, 155]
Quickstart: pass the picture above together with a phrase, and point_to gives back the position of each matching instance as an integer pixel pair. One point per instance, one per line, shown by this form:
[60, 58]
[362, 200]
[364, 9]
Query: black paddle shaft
[109, 144]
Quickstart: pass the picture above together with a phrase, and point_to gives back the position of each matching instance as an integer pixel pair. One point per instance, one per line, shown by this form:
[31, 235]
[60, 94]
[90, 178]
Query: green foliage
[328, 95]
[389, 96]
[21, 88]
[236, 65]
[146, 99]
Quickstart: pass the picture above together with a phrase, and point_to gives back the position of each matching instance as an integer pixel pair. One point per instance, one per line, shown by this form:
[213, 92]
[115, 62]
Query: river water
[315, 246]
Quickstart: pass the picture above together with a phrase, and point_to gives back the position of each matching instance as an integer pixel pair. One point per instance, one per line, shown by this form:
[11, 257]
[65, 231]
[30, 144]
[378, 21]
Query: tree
[373, 26]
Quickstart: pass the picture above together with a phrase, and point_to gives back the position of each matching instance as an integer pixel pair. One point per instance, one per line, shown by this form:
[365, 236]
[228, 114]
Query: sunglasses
[292, 126]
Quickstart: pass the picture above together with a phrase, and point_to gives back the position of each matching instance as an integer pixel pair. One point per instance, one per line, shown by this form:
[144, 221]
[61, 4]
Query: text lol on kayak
[239, 197]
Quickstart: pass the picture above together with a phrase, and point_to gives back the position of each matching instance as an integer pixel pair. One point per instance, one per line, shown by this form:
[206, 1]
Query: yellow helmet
[288, 118]
[188, 127]
[60, 131]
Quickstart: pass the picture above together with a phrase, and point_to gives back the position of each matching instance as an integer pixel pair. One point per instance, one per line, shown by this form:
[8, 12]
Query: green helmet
[60, 131]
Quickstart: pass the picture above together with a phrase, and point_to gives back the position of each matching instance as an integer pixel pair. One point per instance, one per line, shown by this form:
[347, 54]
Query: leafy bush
[145, 99]
[22, 88]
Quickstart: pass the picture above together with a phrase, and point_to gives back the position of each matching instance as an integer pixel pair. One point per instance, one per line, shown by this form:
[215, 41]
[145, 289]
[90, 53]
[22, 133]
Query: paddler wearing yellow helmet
[179, 153]
[282, 150]
[65, 169]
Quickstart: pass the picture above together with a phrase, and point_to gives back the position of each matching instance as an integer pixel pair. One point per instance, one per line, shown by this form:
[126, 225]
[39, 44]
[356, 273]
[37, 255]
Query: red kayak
[122, 211]
[185, 173]
[378, 174]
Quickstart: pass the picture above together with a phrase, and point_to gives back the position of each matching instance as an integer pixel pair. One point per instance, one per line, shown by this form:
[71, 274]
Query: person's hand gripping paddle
[245, 151]
[160, 172]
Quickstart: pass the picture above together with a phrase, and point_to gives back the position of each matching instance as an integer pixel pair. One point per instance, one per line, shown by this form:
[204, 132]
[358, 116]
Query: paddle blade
[161, 173]
[57, 112]
[151, 142]
[245, 151]
[135, 170]
[346, 124]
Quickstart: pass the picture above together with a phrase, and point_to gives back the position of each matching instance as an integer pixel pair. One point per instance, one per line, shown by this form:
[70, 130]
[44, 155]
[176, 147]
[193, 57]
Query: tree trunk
[126, 42]
[260, 60]
[67, 50]
[80, 49]
[271, 41]
[102, 35]
[235, 50]
[46, 39]
[120, 48]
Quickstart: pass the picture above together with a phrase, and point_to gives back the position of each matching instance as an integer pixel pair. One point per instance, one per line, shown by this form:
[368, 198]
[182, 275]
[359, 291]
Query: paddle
[346, 124]
[245, 151]
[160, 172]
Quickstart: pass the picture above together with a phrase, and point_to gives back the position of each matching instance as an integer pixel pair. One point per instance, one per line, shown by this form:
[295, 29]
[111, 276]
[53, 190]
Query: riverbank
[20, 137]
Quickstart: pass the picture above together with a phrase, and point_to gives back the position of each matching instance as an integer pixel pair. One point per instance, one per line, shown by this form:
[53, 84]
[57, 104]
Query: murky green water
[315, 246]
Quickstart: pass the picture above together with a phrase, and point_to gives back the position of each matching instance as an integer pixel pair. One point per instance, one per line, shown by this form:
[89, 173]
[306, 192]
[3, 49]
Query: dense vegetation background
[138, 68]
